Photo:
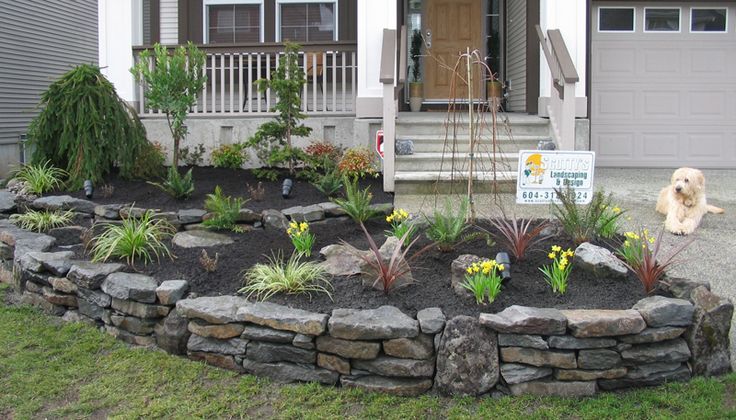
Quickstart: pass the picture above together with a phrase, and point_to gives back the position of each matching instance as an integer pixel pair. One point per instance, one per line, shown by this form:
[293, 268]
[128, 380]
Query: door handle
[428, 38]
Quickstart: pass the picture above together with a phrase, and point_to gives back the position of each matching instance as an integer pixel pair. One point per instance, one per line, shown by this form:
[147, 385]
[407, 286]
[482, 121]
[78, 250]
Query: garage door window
[616, 19]
[661, 20]
[708, 20]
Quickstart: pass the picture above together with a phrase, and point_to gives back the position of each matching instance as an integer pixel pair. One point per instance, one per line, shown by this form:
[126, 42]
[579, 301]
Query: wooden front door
[451, 27]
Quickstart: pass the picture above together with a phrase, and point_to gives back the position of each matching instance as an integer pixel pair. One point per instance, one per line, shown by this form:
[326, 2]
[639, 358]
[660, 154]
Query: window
[306, 21]
[708, 20]
[228, 22]
[616, 19]
[661, 20]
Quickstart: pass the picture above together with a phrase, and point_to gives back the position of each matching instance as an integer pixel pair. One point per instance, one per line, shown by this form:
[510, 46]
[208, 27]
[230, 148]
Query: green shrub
[447, 228]
[582, 222]
[42, 177]
[225, 210]
[134, 239]
[177, 186]
[358, 162]
[357, 202]
[292, 276]
[43, 220]
[150, 162]
[228, 156]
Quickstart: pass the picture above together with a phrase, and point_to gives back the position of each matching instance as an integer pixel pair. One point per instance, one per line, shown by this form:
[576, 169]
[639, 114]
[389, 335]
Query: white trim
[633, 22]
[679, 18]
[335, 36]
[725, 24]
[206, 16]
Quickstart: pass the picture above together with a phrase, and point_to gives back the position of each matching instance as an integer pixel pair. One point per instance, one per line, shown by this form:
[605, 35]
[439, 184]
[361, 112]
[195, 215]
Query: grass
[42, 220]
[134, 239]
[54, 370]
[292, 276]
[42, 177]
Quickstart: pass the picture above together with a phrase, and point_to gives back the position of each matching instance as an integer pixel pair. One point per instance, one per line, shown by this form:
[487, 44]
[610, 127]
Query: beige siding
[169, 22]
[516, 54]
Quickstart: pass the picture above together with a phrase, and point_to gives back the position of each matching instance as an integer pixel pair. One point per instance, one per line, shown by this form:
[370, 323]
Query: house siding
[169, 22]
[516, 55]
[40, 42]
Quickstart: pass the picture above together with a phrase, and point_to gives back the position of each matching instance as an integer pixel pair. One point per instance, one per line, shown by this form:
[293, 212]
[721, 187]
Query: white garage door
[663, 84]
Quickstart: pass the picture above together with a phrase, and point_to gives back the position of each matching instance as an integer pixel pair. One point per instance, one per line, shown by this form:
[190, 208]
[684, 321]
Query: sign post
[543, 171]
[379, 143]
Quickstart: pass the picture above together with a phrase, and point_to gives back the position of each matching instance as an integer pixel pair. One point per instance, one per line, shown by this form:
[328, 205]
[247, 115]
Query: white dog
[683, 201]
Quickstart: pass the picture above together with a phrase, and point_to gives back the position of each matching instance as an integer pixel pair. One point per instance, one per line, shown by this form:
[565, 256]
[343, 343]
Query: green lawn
[49, 369]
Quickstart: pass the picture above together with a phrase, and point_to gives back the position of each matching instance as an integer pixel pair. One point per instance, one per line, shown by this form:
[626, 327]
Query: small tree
[272, 140]
[173, 83]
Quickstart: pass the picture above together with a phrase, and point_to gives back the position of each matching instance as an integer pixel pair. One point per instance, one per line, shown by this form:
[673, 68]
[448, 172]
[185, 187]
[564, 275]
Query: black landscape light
[286, 187]
[503, 258]
[88, 188]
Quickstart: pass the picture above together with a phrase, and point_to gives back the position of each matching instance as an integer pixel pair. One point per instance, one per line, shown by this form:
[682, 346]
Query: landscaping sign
[543, 171]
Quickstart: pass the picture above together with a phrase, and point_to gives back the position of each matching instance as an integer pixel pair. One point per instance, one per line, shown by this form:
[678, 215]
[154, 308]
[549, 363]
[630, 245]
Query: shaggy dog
[683, 201]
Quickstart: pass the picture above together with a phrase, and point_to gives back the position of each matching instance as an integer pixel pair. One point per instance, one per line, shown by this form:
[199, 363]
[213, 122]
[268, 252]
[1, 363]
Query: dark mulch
[232, 181]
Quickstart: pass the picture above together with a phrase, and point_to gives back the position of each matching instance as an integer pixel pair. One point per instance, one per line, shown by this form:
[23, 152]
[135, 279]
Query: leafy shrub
[556, 274]
[292, 276]
[228, 156]
[42, 177]
[446, 228]
[357, 202]
[134, 239]
[193, 156]
[650, 268]
[225, 210]
[208, 263]
[329, 184]
[516, 236]
[401, 227]
[357, 162]
[177, 186]
[43, 220]
[482, 279]
[582, 222]
[85, 128]
[150, 162]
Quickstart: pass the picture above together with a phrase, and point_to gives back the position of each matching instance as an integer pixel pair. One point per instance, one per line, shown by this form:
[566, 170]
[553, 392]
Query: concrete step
[428, 182]
[525, 125]
[460, 161]
[432, 143]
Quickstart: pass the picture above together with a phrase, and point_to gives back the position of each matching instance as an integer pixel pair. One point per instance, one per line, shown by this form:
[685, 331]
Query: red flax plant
[516, 235]
[650, 271]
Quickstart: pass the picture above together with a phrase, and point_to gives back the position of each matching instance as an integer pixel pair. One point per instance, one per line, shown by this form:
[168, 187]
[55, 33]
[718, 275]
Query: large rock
[405, 387]
[129, 286]
[457, 273]
[681, 288]
[431, 320]
[659, 311]
[514, 373]
[95, 297]
[171, 291]
[598, 359]
[219, 331]
[253, 332]
[274, 220]
[522, 340]
[22, 240]
[663, 352]
[283, 318]
[652, 335]
[383, 323]
[599, 261]
[348, 348]
[289, 372]
[200, 239]
[56, 263]
[392, 366]
[572, 343]
[93, 311]
[603, 323]
[341, 260]
[369, 274]
[419, 347]
[540, 358]
[141, 310]
[108, 211]
[554, 388]
[191, 216]
[67, 235]
[233, 346]
[64, 202]
[270, 352]
[90, 275]
[708, 336]
[526, 320]
[681, 373]
[310, 213]
[172, 334]
[213, 309]
[467, 358]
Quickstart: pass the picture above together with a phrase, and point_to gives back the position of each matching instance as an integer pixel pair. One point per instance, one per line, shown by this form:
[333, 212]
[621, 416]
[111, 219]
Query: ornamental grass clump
[584, 222]
[41, 177]
[292, 276]
[516, 235]
[224, 210]
[400, 225]
[301, 237]
[650, 269]
[483, 280]
[42, 220]
[556, 274]
[134, 239]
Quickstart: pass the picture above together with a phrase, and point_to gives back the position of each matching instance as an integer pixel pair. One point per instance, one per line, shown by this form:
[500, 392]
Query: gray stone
[57, 298]
[431, 320]
[64, 202]
[213, 309]
[94, 297]
[526, 320]
[195, 226]
[539, 358]
[572, 343]
[662, 352]
[57, 263]
[404, 147]
[219, 331]
[310, 213]
[132, 324]
[555, 388]
[405, 387]
[599, 261]
[303, 341]
[457, 271]
[383, 323]
[382, 209]
[132, 212]
[130, 338]
[171, 291]
[67, 235]
[708, 335]
[7, 201]
[90, 275]
[24, 241]
[274, 220]
[370, 275]
[392, 366]
[191, 216]
[34, 287]
[283, 318]
[514, 373]
[34, 299]
[289, 372]
[522, 340]
[647, 371]
[253, 332]
[604, 323]
[348, 348]
[659, 311]
[652, 335]
[172, 334]
[589, 375]
[108, 211]
[200, 239]
[6, 252]
[269, 352]
[248, 216]
[331, 362]
[92, 311]
[332, 209]
[212, 345]
[141, 310]
[682, 288]
[467, 358]
[129, 286]
[598, 359]
[75, 316]
[680, 374]
[220, 360]
[419, 347]
[63, 285]
[341, 260]
[623, 346]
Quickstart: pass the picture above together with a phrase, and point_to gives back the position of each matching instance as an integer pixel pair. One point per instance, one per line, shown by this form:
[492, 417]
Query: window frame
[206, 17]
[608, 31]
[655, 31]
[277, 35]
[725, 24]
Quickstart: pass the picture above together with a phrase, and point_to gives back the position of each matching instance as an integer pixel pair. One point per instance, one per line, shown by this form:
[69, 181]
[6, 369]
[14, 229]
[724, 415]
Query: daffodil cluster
[400, 226]
[634, 247]
[301, 237]
[607, 226]
[556, 274]
[483, 279]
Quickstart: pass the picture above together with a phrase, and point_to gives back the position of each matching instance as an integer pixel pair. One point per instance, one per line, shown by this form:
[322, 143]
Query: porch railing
[392, 80]
[330, 88]
[561, 108]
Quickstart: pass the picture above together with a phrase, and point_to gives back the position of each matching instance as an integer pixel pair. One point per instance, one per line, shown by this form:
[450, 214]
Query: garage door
[663, 84]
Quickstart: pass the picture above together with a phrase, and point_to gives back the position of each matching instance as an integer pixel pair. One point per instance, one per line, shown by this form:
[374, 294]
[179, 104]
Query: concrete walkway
[711, 257]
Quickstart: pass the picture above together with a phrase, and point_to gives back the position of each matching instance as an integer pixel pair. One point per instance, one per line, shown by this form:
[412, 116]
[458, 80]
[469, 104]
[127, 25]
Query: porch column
[115, 24]
[373, 17]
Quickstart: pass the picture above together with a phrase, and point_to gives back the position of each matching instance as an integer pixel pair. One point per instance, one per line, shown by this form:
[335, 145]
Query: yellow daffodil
[556, 248]
[616, 210]
[552, 255]
[500, 267]
[303, 226]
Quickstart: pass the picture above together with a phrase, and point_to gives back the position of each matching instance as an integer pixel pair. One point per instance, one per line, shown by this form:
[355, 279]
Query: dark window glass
[708, 20]
[230, 23]
[615, 19]
[663, 20]
[307, 22]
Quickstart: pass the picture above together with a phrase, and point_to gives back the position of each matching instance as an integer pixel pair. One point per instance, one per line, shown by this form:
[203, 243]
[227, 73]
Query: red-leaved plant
[651, 271]
[517, 236]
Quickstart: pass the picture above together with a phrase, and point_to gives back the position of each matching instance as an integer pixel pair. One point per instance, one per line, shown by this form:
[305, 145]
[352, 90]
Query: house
[642, 83]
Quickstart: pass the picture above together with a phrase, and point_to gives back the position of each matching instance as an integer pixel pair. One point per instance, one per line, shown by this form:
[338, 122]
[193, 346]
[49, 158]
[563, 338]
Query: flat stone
[132, 212]
[514, 373]
[213, 309]
[660, 311]
[129, 286]
[653, 335]
[382, 209]
[130, 338]
[141, 310]
[522, 340]
[34, 287]
[64, 202]
[7, 201]
[405, 387]
[34, 299]
[348, 348]
[90, 275]
[195, 226]
[214, 359]
[171, 291]
[431, 320]
[332, 362]
[598, 359]
[232, 346]
[419, 347]
[680, 374]
[283, 318]
[219, 331]
[393, 366]
[604, 323]
[200, 239]
[539, 358]
[56, 263]
[61, 299]
[383, 323]
[310, 213]
[572, 343]
[248, 216]
[303, 341]
[341, 260]
[172, 334]
[555, 388]
[253, 332]
[467, 358]
[681, 288]
[95, 297]
[274, 220]
[526, 320]
[191, 216]
[132, 324]
[662, 352]
[589, 375]
[708, 336]
[93, 311]
[67, 235]
[270, 352]
[650, 370]
[289, 372]
[457, 273]
[6, 252]
[332, 209]
[63, 285]
[599, 261]
[22, 240]
[108, 211]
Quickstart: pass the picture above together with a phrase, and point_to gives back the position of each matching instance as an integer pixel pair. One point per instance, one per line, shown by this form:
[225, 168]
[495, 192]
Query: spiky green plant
[42, 220]
[357, 202]
[41, 177]
[134, 239]
[225, 210]
[583, 222]
[177, 186]
[446, 227]
[292, 276]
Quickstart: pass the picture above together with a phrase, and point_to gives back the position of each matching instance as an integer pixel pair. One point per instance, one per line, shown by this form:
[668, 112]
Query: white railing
[330, 88]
